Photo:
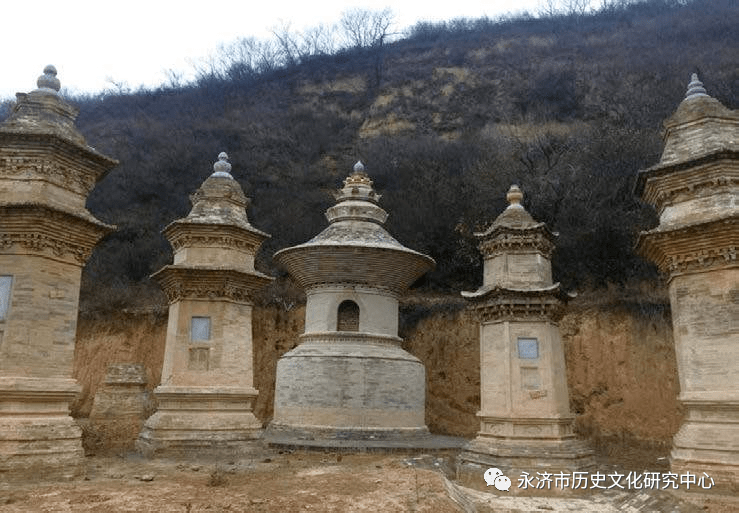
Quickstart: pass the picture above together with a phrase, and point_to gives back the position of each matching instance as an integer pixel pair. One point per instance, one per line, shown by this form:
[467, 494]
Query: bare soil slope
[620, 363]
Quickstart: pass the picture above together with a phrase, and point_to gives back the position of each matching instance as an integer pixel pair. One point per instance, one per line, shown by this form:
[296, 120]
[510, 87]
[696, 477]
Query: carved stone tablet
[528, 348]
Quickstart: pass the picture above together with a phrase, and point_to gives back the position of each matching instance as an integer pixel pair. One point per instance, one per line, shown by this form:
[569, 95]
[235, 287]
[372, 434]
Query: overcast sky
[95, 43]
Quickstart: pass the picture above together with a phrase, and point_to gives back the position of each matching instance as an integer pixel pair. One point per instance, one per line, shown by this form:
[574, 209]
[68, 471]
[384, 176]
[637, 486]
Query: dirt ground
[287, 481]
[275, 483]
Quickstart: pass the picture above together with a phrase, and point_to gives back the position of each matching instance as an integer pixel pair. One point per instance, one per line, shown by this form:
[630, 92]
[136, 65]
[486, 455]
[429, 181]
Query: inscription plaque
[199, 359]
[528, 348]
[5, 284]
[199, 328]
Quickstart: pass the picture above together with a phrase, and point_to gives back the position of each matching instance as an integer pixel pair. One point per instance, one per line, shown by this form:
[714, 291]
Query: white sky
[95, 43]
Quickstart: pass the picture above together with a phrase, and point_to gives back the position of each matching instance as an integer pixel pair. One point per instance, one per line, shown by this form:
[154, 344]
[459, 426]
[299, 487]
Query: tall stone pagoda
[349, 382]
[525, 419]
[47, 171]
[695, 191]
[206, 396]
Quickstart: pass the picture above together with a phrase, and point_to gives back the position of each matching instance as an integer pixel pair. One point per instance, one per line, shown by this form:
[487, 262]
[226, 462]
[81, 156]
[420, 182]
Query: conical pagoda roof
[216, 244]
[693, 188]
[701, 130]
[219, 204]
[515, 219]
[48, 169]
[509, 295]
[43, 112]
[355, 247]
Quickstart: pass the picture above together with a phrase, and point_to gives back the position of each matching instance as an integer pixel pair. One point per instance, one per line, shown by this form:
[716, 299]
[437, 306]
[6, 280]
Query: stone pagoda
[695, 191]
[47, 171]
[206, 396]
[349, 383]
[525, 419]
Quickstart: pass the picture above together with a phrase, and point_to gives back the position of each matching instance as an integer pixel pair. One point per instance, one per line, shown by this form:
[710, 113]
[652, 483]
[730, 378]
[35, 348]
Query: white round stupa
[349, 379]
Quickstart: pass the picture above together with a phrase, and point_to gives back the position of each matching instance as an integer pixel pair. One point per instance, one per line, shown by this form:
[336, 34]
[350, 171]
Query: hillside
[568, 107]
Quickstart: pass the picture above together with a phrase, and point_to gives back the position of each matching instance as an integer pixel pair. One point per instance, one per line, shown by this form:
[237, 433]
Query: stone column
[206, 397]
[47, 171]
[694, 189]
[526, 424]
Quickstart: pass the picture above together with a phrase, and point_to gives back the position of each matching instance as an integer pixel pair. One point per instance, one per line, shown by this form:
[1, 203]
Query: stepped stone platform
[337, 440]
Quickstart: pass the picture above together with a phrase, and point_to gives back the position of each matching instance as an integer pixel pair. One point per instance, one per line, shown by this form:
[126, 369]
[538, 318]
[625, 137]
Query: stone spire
[514, 231]
[701, 129]
[357, 186]
[48, 81]
[219, 205]
[695, 88]
[44, 111]
[220, 199]
[515, 216]
[222, 167]
[357, 200]
[514, 197]
[701, 125]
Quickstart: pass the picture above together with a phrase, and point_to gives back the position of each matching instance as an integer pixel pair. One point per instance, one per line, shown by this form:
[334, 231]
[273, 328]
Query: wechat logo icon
[495, 477]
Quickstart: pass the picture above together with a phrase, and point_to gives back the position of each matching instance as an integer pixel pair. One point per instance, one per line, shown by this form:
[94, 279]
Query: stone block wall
[382, 386]
[41, 320]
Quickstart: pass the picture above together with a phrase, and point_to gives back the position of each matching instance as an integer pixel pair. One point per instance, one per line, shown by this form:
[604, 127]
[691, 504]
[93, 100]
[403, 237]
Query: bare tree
[242, 59]
[549, 8]
[319, 40]
[365, 28]
[289, 43]
[554, 8]
[577, 7]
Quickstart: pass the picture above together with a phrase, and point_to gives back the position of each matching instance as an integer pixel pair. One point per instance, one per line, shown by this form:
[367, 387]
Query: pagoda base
[38, 438]
[201, 422]
[356, 388]
[555, 450]
[708, 441]
[307, 437]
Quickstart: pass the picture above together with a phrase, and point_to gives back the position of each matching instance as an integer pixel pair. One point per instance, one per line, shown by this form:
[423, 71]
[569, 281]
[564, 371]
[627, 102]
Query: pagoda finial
[48, 80]
[222, 168]
[695, 88]
[514, 197]
[359, 177]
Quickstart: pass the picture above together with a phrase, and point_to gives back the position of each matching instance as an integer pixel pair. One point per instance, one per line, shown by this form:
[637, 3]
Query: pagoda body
[349, 381]
[525, 419]
[47, 171]
[694, 190]
[206, 396]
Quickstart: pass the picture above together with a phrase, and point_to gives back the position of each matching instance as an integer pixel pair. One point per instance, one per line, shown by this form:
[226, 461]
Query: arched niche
[347, 318]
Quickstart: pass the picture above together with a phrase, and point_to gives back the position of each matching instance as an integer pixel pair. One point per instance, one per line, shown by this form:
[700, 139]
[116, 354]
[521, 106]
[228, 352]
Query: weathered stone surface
[381, 387]
[46, 236]
[524, 403]
[119, 408]
[349, 379]
[206, 396]
[694, 189]
[38, 438]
